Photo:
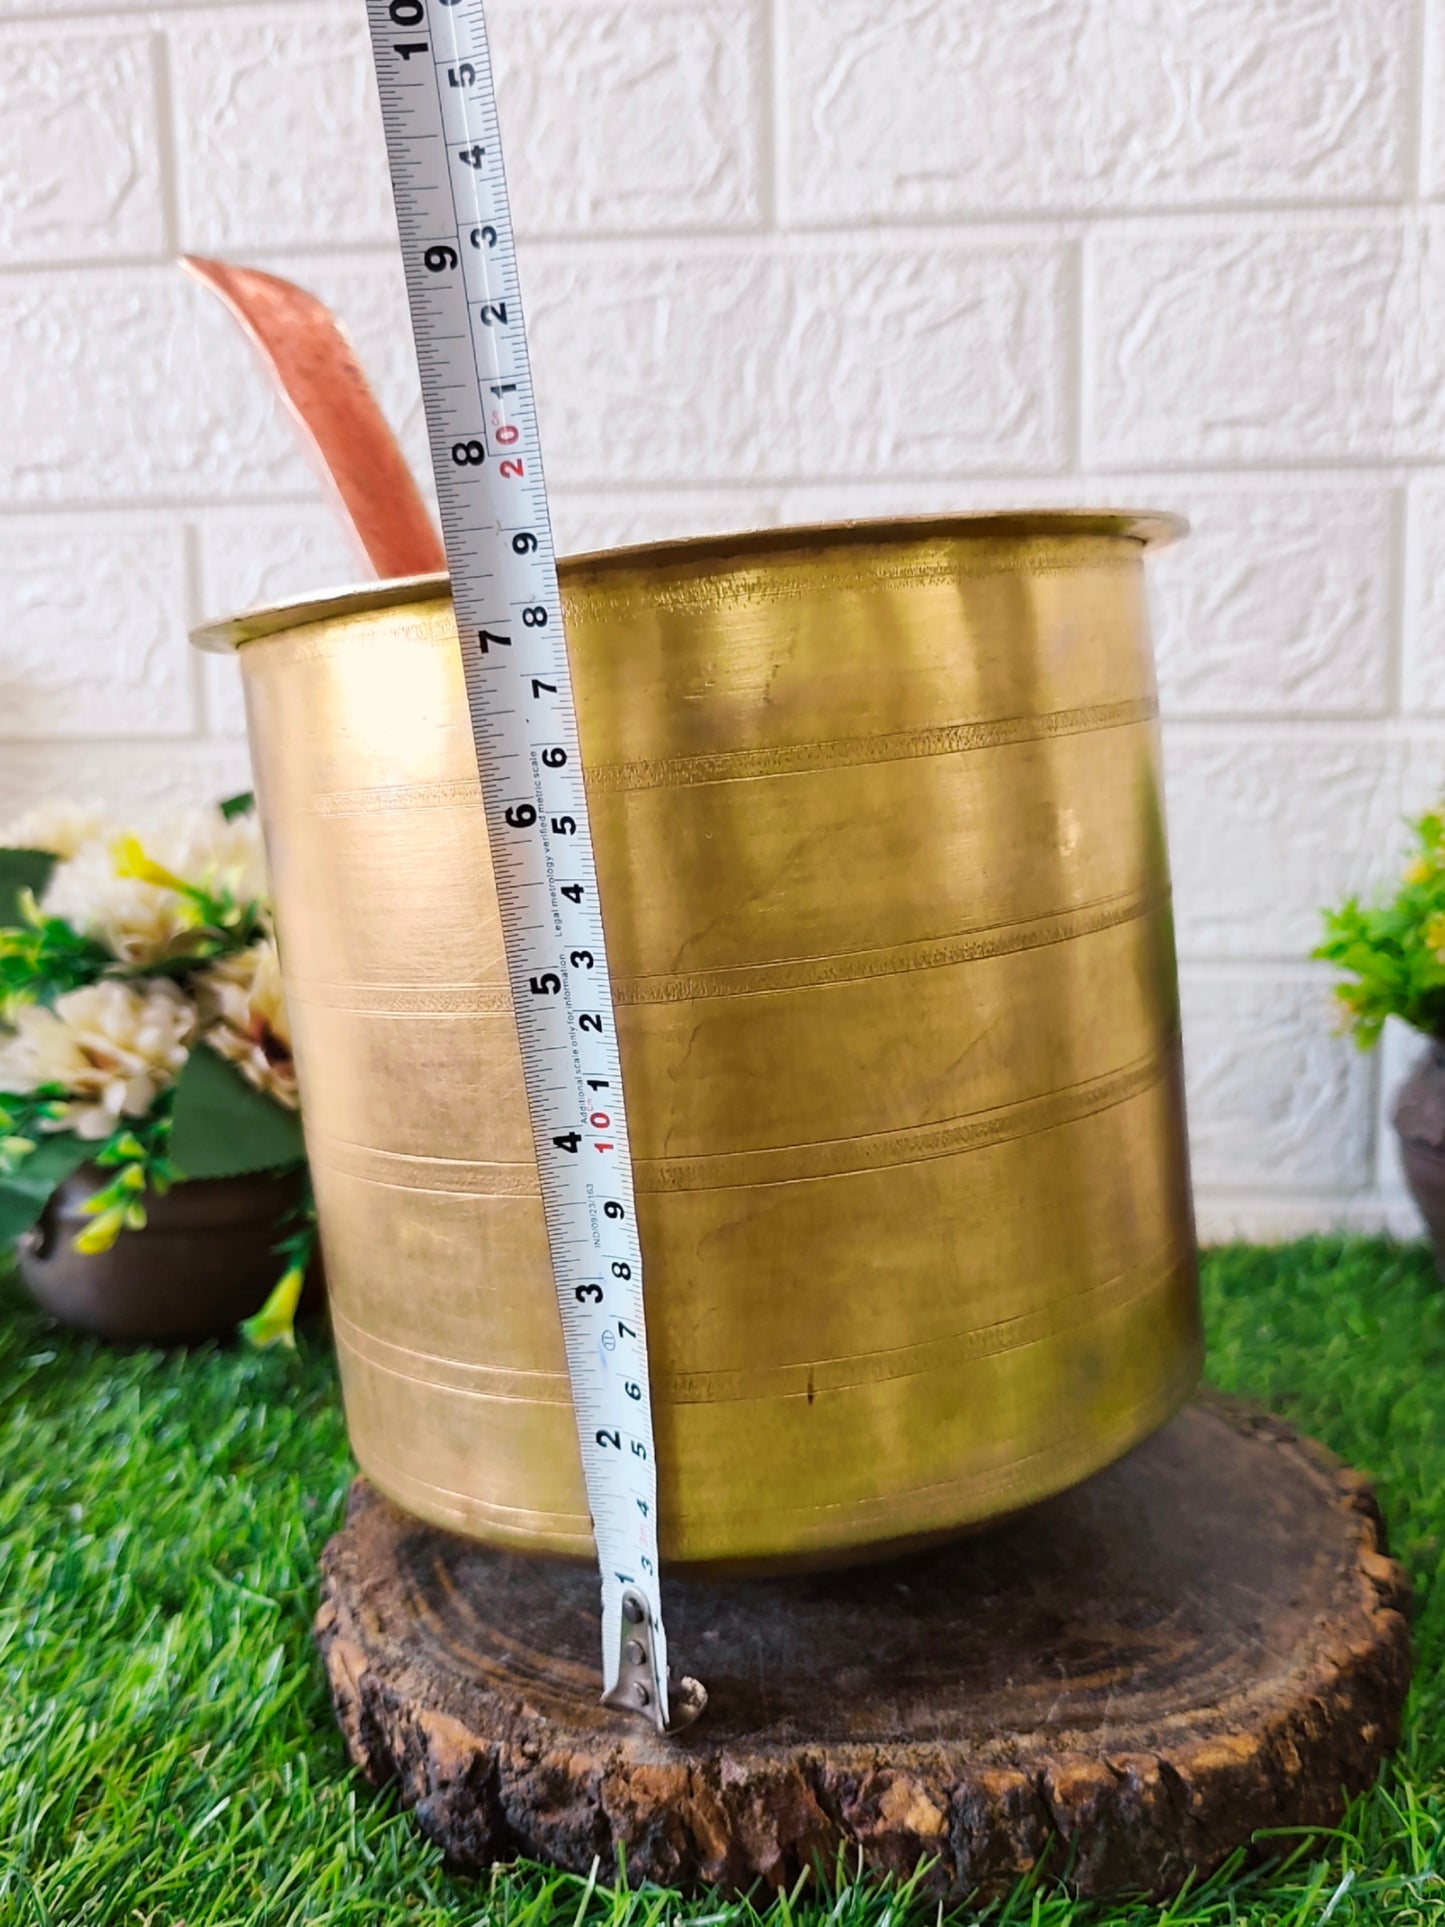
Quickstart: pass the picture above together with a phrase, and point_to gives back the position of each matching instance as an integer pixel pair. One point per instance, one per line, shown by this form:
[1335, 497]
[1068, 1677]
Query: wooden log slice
[1121, 1686]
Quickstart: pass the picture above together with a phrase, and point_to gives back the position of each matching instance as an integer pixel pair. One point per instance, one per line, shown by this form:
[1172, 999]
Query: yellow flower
[274, 1323]
[243, 1016]
[1434, 934]
[1420, 871]
[132, 861]
[102, 1234]
[112, 1047]
[1344, 1008]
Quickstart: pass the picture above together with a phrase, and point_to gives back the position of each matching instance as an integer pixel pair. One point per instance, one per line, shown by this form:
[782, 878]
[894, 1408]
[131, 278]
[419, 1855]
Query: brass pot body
[878, 825]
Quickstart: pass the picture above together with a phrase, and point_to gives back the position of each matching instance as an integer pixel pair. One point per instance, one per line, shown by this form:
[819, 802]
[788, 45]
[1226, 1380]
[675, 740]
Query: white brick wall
[789, 259]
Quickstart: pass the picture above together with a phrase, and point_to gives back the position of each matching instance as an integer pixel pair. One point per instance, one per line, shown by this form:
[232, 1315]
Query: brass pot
[882, 856]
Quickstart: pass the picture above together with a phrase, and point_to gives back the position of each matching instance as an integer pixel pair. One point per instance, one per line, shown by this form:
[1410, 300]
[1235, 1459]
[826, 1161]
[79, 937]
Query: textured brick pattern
[791, 260]
[1292, 1113]
[1281, 603]
[1268, 823]
[824, 359]
[948, 107]
[1424, 666]
[94, 630]
[278, 137]
[114, 208]
[1256, 342]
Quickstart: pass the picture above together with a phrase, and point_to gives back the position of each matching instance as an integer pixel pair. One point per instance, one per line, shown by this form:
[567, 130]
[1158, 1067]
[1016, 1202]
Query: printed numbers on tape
[434, 76]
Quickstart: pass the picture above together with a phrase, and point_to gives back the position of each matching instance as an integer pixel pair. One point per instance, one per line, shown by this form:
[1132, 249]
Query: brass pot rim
[1150, 528]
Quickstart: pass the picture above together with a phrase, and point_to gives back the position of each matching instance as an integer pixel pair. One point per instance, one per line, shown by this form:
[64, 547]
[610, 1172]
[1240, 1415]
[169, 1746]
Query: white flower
[112, 1047]
[138, 922]
[60, 828]
[202, 848]
[243, 1016]
[123, 893]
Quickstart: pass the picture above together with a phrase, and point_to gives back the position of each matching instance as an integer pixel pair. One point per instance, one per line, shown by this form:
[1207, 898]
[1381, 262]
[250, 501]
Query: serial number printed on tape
[435, 80]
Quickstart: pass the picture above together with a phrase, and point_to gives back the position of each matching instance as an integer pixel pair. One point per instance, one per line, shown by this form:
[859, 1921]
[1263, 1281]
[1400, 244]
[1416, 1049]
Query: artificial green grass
[167, 1753]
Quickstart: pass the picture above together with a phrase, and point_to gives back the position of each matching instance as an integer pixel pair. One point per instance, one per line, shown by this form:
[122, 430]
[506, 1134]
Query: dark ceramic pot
[1420, 1121]
[205, 1260]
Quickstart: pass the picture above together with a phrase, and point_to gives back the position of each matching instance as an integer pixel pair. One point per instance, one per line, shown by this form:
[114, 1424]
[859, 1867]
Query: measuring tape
[434, 74]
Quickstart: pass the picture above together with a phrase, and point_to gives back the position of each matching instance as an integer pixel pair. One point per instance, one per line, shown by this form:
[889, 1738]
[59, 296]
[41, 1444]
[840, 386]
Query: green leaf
[235, 806]
[27, 1191]
[225, 1127]
[21, 870]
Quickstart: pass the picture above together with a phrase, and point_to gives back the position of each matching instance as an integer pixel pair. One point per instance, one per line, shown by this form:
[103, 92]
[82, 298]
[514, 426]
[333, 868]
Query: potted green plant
[152, 1169]
[1392, 952]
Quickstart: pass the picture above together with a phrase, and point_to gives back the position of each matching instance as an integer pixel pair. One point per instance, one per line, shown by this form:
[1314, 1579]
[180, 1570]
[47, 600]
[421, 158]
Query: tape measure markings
[434, 78]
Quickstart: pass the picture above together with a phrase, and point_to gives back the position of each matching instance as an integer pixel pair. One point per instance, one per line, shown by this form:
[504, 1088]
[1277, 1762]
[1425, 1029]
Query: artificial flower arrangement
[1393, 954]
[1394, 949]
[143, 1029]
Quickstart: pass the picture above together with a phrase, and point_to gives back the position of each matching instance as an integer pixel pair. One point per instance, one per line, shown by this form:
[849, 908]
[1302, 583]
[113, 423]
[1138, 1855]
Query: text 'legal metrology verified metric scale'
[434, 75]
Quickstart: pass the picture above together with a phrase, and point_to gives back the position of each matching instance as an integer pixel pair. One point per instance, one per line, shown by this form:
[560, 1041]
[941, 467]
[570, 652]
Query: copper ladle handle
[348, 437]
